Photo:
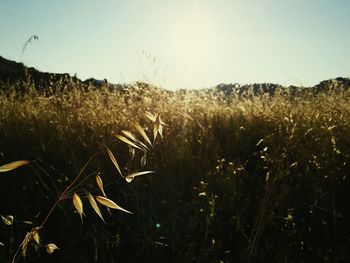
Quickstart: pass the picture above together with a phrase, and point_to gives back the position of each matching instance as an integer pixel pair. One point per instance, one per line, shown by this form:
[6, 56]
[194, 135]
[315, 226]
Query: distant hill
[335, 85]
[13, 72]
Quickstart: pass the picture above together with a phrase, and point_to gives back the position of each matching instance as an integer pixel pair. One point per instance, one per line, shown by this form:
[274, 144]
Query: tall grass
[238, 179]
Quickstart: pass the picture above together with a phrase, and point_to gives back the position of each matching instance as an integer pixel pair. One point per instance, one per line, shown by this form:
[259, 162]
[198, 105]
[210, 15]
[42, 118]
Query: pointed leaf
[114, 161]
[131, 177]
[127, 141]
[50, 248]
[155, 131]
[110, 204]
[100, 184]
[36, 237]
[24, 251]
[185, 115]
[150, 116]
[11, 166]
[7, 220]
[143, 134]
[130, 135]
[78, 205]
[26, 241]
[160, 130]
[95, 206]
[134, 138]
[144, 146]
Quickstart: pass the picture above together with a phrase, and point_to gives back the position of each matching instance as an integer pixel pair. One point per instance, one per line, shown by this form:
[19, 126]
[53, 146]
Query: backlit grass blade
[95, 206]
[150, 116]
[10, 166]
[127, 141]
[131, 176]
[100, 184]
[114, 160]
[183, 114]
[129, 135]
[155, 131]
[36, 237]
[143, 134]
[110, 204]
[78, 204]
[50, 248]
[134, 138]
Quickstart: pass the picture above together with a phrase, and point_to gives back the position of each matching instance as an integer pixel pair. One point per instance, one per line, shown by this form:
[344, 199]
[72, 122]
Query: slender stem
[65, 192]
[61, 197]
[51, 210]
[82, 181]
[80, 174]
[14, 259]
[48, 175]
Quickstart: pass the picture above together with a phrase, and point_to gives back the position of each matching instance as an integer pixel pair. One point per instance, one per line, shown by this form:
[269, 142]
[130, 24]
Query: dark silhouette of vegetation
[253, 178]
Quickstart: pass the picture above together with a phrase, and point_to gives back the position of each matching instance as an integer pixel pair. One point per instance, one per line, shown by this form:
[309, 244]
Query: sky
[181, 43]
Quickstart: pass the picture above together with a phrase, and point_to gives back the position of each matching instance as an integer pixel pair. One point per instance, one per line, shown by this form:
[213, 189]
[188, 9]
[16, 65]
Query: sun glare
[193, 41]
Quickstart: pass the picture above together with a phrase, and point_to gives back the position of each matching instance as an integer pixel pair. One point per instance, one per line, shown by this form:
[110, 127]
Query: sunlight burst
[193, 40]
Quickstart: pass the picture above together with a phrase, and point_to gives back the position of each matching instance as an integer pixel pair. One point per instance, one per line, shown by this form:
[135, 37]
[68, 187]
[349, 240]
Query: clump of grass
[78, 184]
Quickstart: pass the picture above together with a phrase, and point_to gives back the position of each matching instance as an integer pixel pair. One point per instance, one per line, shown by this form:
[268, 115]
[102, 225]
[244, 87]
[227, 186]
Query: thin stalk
[69, 188]
[61, 197]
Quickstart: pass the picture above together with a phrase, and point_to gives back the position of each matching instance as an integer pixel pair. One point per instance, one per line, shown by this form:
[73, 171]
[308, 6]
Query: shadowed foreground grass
[250, 179]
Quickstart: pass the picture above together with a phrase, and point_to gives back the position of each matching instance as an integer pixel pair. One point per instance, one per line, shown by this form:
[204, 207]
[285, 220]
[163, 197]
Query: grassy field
[237, 179]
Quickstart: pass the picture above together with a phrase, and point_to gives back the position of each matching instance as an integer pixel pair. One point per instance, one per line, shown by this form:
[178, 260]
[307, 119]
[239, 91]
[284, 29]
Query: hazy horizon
[182, 44]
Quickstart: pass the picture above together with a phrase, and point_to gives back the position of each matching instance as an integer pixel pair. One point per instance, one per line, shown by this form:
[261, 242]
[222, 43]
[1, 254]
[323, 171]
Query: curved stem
[79, 175]
[65, 192]
[61, 197]
[50, 212]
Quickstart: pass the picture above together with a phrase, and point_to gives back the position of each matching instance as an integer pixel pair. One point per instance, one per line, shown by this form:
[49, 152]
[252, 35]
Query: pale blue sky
[182, 43]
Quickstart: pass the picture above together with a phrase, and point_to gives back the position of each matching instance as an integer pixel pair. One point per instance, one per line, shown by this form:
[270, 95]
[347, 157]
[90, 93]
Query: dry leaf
[133, 137]
[50, 248]
[36, 237]
[11, 166]
[155, 130]
[95, 206]
[158, 127]
[130, 177]
[143, 134]
[7, 220]
[26, 241]
[24, 251]
[110, 204]
[100, 184]
[78, 205]
[130, 135]
[127, 141]
[185, 115]
[150, 116]
[114, 161]
[160, 130]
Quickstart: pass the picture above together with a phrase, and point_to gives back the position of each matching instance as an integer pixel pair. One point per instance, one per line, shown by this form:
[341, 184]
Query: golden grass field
[237, 178]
